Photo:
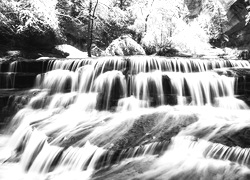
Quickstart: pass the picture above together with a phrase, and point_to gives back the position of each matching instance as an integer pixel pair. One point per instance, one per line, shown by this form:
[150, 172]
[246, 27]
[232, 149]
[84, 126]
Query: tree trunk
[91, 26]
[146, 19]
[89, 42]
[146, 23]
[121, 5]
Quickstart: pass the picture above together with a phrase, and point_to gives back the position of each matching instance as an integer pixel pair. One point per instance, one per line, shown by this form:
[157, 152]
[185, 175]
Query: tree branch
[79, 22]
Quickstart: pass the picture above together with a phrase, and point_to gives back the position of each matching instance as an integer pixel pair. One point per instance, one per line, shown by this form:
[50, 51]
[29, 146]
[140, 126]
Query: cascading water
[203, 87]
[140, 117]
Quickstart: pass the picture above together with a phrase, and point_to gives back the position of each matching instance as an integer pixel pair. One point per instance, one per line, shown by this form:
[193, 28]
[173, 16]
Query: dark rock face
[41, 41]
[155, 127]
[18, 53]
[236, 30]
[194, 7]
[30, 45]
[11, 101]
[239, 138]
[17, 80]
[14, 82]
[242, 85]
[29, 39]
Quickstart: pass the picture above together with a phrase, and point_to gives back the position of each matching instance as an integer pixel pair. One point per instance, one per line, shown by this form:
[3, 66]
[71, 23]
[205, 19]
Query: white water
[90, 114]
[203, 87]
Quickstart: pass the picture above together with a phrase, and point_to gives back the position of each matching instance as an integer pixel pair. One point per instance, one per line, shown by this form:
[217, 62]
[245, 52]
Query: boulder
[236, 30]
[194, 7]
[124, 46]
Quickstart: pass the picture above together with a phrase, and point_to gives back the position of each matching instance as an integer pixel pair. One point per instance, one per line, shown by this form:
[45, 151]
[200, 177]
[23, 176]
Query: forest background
[161, 27]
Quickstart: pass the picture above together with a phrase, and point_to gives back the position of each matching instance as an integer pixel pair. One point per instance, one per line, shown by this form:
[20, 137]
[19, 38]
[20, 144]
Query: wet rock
[24, 65]
[11, 101]
[111, 157]
[156, 127]
[242, 85]
[239, 138]
[224, 135]
[126, 170]
[237, 31]
[17, 80]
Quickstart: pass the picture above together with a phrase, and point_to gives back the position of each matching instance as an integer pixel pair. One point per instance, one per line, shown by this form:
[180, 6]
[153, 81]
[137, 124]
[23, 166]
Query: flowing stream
[138, 117]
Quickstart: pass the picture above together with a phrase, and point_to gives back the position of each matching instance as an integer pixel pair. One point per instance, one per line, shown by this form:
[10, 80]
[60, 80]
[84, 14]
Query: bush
[191, 38]
[162, 47]
[167, 51]
[149, 49]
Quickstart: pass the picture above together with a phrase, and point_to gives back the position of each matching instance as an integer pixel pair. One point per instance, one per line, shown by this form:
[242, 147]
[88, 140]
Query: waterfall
[202, 87]
[148, 87]
[138, 117]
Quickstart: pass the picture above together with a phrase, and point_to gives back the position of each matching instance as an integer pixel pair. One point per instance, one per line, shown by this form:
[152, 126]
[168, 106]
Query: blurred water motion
[130, 118]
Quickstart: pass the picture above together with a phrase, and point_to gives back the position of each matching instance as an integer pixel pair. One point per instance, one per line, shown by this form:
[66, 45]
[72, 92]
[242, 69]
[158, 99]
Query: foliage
[73, 21]
[213, 19]
[122, 4]
[247, 17]
[191, 38]
[113, 24]
[160, 26]
[110, 20]
[195, 35]
[36, 15]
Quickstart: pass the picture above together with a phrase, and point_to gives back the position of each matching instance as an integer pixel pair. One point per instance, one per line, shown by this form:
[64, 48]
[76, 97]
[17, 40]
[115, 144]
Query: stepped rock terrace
[138, 117]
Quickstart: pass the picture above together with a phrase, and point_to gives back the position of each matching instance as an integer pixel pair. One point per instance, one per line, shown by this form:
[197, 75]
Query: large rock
[194, 7]
[124, 46]
[236, 31]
